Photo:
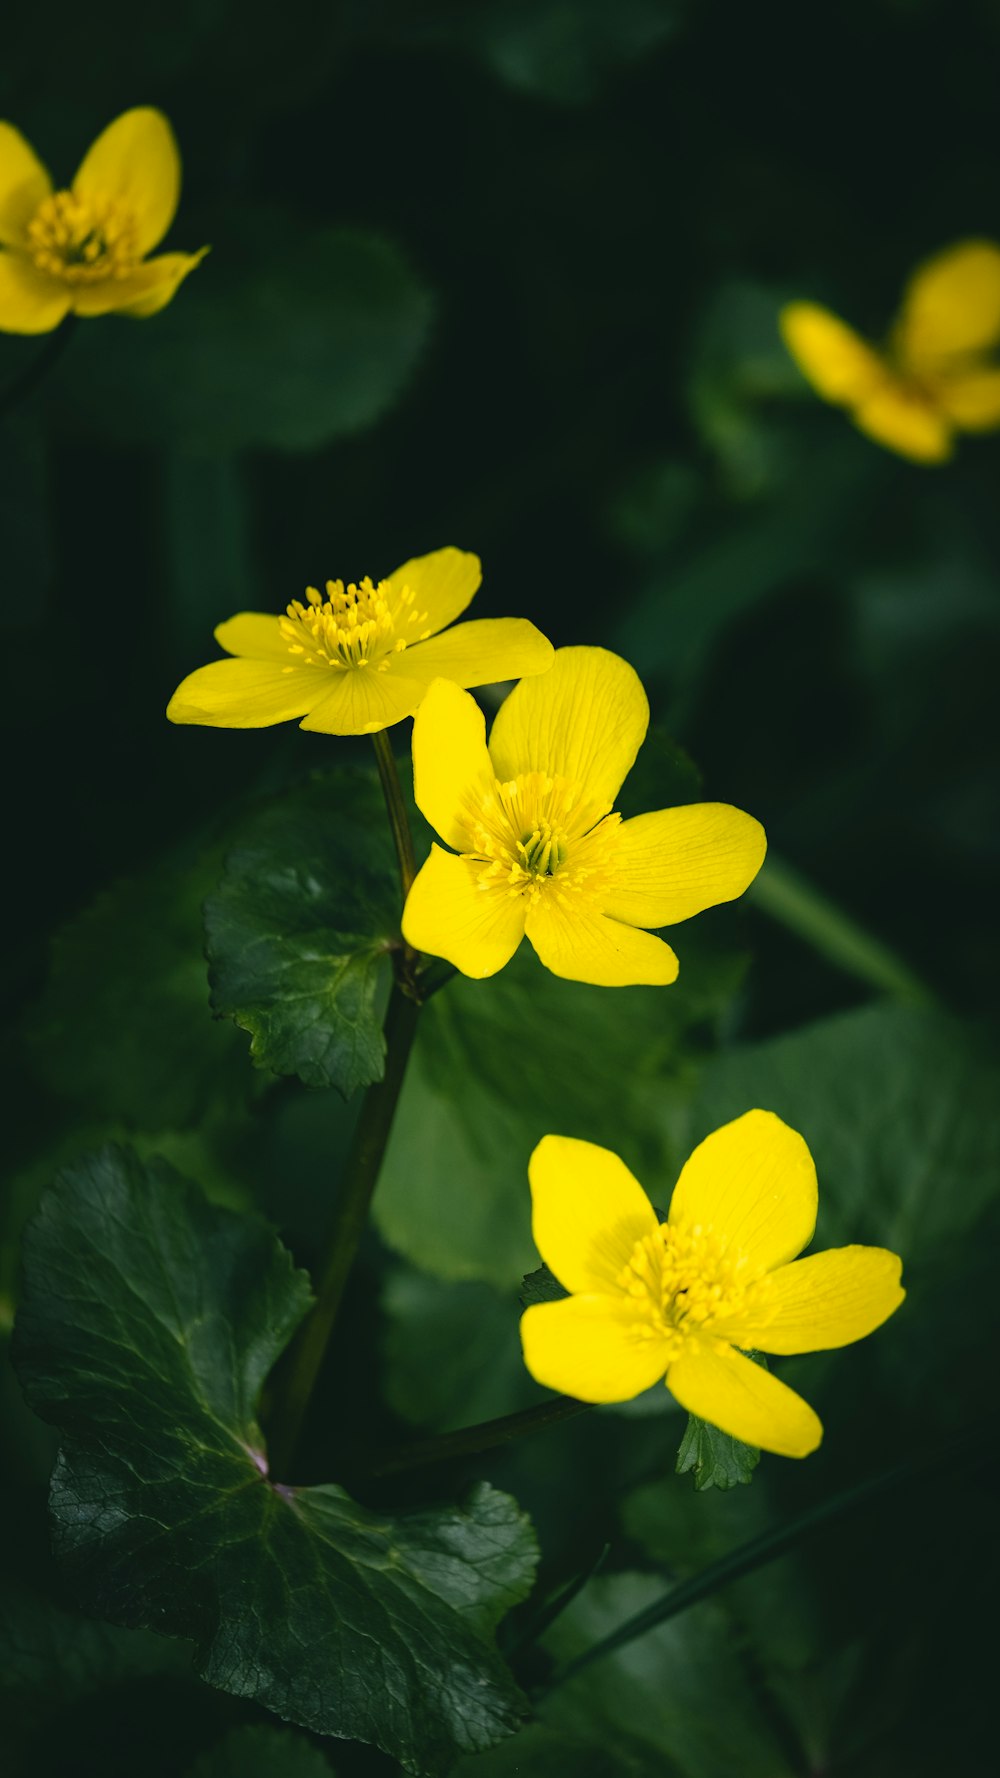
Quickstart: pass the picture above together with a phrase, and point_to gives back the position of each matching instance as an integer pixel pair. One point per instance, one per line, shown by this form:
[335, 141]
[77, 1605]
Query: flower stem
[470, 1440]
[788, 898]
[398, 818]
[28, 379]
[361, 1172]
[766, 1548]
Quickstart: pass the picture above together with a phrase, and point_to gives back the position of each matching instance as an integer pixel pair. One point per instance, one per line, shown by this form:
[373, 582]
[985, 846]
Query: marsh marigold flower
[685, 1299]
[933, 377]
[355, 659]
[537, 847]
[83, 250]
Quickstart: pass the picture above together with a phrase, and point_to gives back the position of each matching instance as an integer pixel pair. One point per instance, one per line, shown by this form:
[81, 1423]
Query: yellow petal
[442, 585]
[482, 652]
[739, 1397]
[145, 291]
[952, 305]
[971, 400]
[255, 635]
[24, 184]
[361, 700]
[905, 421]
[136, 161]
[825, 1301]
[753, 1182]
[574, 940]
[585, 719]
[448, 915]
[30, 301]
[245, 694]
[451, 766]
[840, 365]
[587, 1213]
[592, 1347]
[672, 864]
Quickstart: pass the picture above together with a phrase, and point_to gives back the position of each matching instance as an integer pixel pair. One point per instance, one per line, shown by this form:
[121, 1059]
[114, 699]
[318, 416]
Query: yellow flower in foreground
[84, 250]
[540, 851]
[362, 657]
[933, 378]
[676, 1300]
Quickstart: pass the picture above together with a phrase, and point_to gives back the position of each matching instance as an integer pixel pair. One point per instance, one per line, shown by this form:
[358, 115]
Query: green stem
[361, 1172]
[398, 818]
[781, 893]
[470, 1440]
[28, 379]
[761, 1550]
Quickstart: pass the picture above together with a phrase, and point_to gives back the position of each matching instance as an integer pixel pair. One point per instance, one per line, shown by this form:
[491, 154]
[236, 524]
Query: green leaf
[452, 1351]
[499, 1064]
[565, 54]
[299, 929]
[262, 1753]
[677, 1700]
[287, 336]
[541, 1286]
[714, 1458]
[123, 1027]
[149, 1322]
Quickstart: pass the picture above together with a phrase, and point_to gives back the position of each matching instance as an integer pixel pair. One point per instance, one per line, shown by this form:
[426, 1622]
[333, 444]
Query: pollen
[359, 625]
[83, 240]
[537, 835]
[692, 1284]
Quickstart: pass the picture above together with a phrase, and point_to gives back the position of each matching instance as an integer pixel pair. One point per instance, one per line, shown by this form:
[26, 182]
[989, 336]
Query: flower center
[691, 1283]
[83, 240]
[537, 834]
[354, 626]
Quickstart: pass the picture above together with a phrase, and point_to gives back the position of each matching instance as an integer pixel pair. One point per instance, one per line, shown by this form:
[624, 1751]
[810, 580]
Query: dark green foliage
[299, 929]
[149, 1323]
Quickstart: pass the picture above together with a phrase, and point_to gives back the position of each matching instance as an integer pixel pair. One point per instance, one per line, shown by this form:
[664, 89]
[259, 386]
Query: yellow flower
[676, 1300]
[933, 377]
[84, 250]
[361, 658]
[540, 851]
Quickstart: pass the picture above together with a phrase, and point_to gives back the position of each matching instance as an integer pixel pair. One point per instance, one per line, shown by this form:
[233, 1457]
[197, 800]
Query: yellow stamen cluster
[83, 240]
[535, 835]
[354, 626]
[690, 1283]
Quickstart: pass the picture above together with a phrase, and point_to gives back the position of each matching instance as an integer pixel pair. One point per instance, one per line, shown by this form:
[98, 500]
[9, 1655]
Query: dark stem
[398, 818]
[361, 1172]
[759, 1551]
[469, 1440]
[22, 385]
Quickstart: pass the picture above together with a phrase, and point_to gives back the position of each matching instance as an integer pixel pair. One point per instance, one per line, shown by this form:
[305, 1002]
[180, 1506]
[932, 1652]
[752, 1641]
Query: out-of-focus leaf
[299, 929]
[676, 1700]
[540, 1752]
[452, 1351]
[123, 1027]
[262, 1753]
[149, 1323]
[487, 1081]
[566, 50]
[287, 336]
[714, 1458]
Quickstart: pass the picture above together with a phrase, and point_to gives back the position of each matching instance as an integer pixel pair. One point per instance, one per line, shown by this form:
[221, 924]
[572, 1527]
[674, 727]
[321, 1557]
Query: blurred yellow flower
[83, 251]
[679, 1300]
[362, 657]
[540, 851]
[933, 378]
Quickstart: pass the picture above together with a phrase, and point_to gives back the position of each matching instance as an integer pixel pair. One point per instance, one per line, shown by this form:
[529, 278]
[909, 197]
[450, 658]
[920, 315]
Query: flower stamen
[83, 240]
[353, 626]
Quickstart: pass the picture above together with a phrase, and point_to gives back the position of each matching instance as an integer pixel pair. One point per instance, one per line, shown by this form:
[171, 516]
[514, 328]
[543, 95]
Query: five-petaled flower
[359, 658]
[685, 1299]
[83, 250]
[933, 378]
[540, 850]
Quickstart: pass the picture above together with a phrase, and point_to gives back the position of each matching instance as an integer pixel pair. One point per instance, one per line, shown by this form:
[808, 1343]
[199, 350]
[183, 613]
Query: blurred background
[507, 275]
